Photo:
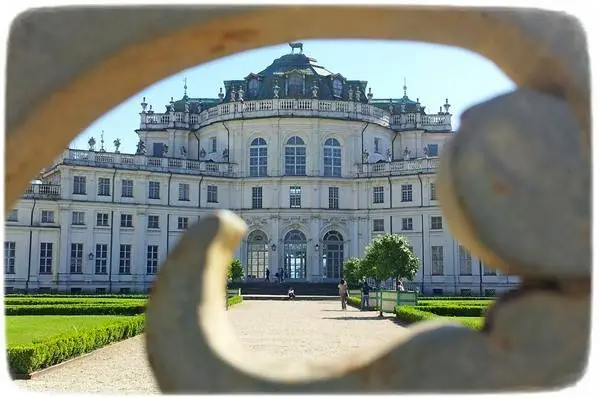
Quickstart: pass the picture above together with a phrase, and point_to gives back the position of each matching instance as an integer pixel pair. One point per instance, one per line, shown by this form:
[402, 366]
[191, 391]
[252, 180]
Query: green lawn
[25, 329]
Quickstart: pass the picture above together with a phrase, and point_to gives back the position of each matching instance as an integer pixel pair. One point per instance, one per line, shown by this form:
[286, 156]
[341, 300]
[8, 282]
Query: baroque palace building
[312, 162]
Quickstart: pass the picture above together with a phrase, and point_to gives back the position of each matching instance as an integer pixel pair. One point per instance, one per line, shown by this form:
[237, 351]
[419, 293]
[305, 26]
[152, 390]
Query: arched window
[294, 255]
[258, 255]
[253, 87]
[294, 84]
[295, 157]
[332, 158]
[258, 157]
[333, 255]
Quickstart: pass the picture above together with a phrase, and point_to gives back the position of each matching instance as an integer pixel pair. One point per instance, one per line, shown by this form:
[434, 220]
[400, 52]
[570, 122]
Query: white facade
[104, 221]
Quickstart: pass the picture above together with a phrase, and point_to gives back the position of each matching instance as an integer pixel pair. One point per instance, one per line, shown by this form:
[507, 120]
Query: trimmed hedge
[234, 300]
[456, 298]
[450, 310]
[411, 314]
[32, 302]
[75, 309]
[27, 358]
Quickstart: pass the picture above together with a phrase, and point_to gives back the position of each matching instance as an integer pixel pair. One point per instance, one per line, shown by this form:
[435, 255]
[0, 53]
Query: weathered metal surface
[495, 187]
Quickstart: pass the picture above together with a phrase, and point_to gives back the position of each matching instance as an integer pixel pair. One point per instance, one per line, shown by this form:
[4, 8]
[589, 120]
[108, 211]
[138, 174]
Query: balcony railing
[399, 167]
[295, 107]
[42, 191]
[78, 157]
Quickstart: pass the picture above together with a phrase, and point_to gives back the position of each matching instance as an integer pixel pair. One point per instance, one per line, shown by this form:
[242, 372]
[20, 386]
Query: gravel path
[279, 329]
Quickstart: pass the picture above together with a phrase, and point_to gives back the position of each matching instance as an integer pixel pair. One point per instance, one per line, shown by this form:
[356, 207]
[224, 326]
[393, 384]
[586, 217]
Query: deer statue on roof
[296, 45]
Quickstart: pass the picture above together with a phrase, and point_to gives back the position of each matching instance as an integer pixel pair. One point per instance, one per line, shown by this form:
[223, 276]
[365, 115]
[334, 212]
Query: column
[64, 239]
[314, 268]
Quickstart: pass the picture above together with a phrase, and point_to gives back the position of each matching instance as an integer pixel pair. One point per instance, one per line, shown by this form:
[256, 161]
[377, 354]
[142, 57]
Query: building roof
[296, 75]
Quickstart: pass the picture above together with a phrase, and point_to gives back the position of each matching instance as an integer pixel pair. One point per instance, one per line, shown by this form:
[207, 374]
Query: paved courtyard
[279, 329]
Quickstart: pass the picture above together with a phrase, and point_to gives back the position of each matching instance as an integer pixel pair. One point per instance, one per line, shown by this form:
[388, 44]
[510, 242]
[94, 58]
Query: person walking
[343, 290]
[268, 273]
[364, 303]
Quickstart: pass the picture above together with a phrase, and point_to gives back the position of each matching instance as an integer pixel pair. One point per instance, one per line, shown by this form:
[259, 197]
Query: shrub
[234, 300]
[76, 309]
[354, 301]
[454, 310]
[26, 358]
[413, 314]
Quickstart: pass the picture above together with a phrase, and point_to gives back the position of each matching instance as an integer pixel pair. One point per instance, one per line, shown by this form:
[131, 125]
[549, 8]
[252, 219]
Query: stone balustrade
[346, 110]
[79, 157]
[42, 191]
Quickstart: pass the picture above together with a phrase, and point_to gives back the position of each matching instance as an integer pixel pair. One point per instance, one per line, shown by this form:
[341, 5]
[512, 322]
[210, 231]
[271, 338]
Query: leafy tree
[352, 271]
[389, 256]
[235, 271]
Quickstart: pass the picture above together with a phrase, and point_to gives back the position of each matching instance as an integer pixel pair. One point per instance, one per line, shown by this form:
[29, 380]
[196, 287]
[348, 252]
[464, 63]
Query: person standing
[364, 303]
[343, 290]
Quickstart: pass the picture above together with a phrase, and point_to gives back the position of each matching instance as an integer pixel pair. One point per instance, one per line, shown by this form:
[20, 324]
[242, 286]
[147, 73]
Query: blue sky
[433, 73]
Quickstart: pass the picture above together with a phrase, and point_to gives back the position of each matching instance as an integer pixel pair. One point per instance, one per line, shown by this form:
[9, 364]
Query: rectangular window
[184, 192]
[153, 222]
[78, 218]
[125, 259]
[432, 150]
[432, 192]
[47, 216]
[153, 190]
[127, 188]
[334, 198]
[103, 186]
[377, 194]
[79, 185]
[152, 260]
[213, 144]
[295, 197]
[102, 219]
[46, 257]
[436, 222]
[378, 225]
[126, 220]
[490, 292]
[407, 192]
[465, 292]
[257, 197]
[101, 258]
[407, 224]
[487, 271]
[13, 215]
[212, 194]
[76, 258]
[377, 146]
[464, 261]
[437, 260]
[10, 249]
[182, 223]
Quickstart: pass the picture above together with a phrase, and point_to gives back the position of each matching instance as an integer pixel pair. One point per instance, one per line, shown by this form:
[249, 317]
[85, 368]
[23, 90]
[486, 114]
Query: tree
[389, 256]
[352, 271]
[235, 271]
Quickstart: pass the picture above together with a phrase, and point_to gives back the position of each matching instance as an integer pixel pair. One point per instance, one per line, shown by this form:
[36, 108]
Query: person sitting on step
[291, 293]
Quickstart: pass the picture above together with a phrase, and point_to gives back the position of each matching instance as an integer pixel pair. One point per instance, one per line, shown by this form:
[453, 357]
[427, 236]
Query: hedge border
[23, 359]
[411, 314]
[75, 309]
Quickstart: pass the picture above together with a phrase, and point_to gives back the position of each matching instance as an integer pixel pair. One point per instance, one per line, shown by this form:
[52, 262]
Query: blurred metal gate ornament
[514, 185]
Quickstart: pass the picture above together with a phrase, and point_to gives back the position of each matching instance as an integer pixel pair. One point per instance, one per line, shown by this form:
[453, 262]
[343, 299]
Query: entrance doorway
[294, 252]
